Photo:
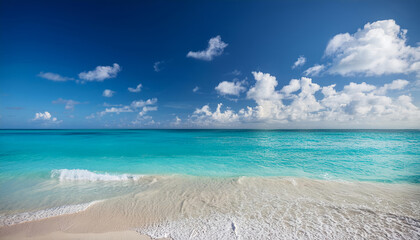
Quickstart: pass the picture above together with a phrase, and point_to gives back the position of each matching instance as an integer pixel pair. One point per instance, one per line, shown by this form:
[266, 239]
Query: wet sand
[184, 207]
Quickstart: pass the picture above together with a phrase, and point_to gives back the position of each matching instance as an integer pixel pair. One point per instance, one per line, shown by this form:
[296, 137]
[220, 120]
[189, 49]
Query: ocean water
[375, 155]
[284, 183]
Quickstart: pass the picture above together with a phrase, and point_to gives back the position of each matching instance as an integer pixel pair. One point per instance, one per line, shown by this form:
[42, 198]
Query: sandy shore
[123, 235]
[232, 208]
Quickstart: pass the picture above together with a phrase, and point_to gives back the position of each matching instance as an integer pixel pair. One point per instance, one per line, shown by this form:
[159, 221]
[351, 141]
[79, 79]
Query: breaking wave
[85, 175]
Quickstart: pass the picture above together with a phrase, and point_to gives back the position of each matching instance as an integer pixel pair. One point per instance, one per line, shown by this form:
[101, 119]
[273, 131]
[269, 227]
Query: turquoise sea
[47, 169]
[362, 155]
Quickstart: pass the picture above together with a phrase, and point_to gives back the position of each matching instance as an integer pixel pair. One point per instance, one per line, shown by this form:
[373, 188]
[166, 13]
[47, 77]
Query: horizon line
[261, 129]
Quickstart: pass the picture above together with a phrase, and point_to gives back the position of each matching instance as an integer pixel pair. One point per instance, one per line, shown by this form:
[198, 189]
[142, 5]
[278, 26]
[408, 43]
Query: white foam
[234, 227]
[287, 208]
[85, 175]
[9, 220]
[213, 227]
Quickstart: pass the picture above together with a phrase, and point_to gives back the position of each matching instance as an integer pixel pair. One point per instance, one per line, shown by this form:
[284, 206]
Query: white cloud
[108, 93]
[157, 66]
[264, 88]
[314, 71]
[215, 48]
[135, 106]
[135, 90]
[355, 87]
[42, 116]
[177, 121]
[269, 101]
[230, 88]
[45, 117]
[54, 77]
[379, 48]
[101, 73]
[69, 104]
[147, 109]
[116, 110]
[299, 62]
[145, 106]
[141, 103]
[394, 85]
[361, 102]
[294, 85]
[357, 105]
[204, 117]
[196, 89]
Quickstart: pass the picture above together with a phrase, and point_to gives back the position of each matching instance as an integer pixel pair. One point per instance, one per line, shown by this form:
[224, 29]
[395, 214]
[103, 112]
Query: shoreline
[284, 207]
[126, 235]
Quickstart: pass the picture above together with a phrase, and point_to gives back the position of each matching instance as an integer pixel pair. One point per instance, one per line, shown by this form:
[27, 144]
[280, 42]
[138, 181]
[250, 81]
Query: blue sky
[69, 64]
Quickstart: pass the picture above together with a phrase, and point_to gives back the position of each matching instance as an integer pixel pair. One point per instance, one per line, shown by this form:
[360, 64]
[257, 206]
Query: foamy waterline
[9, 220]
[86, 175]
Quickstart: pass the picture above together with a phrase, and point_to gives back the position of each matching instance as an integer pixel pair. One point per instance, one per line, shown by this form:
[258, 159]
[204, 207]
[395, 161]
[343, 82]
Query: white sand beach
[180, 207]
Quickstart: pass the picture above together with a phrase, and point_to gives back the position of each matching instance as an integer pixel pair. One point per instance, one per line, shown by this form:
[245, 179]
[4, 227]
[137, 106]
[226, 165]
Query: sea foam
[235, 227]
[282, 208]
[9, 220]
[85, 175]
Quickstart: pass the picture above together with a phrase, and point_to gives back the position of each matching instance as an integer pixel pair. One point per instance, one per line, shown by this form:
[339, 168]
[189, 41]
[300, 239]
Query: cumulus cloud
[378, 48]
[215, 48]
[314, 71]
[135, 90]
[394, 85]
[294, 85]
[54, 77]
[108, 93]
[101, 73]
[264, 88]
[45, 117]
[296, 104]
[69, 104]
[230, 88]
[196, 89]
[203, 116]
[299, 62]
[42, 116]
[270, 101]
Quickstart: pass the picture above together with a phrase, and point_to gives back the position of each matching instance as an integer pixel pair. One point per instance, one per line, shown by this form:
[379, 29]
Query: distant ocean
[286, 183]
